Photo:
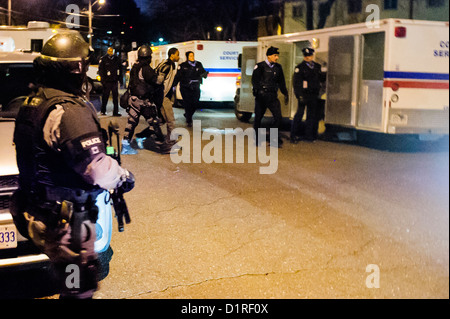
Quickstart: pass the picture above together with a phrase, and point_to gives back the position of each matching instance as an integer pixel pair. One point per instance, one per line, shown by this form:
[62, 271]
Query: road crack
[213, 280]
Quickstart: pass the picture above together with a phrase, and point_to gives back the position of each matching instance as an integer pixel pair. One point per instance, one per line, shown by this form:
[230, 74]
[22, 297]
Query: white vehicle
[219, 58]
[390, 79]
[7, 44]
[32, 37]
[16, 75]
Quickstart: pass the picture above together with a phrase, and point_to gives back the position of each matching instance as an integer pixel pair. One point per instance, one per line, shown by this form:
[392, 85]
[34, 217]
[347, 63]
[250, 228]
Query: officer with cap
[144, 84]
[307, 84]
[63, 166]
[267, 79]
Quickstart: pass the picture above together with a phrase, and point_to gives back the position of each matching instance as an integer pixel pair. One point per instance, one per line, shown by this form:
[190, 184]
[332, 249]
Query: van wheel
[241, 116]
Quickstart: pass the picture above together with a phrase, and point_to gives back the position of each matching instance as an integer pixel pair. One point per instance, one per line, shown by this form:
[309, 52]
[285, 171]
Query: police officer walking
[164, 94]
[190, 75]
[267, 79]
[63, 166]
[109, 69]
[144, 82]
[307, 84]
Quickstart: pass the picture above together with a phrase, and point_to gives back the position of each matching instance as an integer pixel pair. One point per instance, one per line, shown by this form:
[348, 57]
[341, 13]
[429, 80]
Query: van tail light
[395, 86]
[400, 32]
[200, 47]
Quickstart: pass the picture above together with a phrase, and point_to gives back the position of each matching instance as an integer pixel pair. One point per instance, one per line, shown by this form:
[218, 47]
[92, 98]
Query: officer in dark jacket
[109, 70]
[63, 166]
[267, 79]
[307, 84]
[190, 75]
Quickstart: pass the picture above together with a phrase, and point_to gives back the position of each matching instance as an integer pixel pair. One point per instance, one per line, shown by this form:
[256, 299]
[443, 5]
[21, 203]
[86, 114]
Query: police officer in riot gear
[144, 82]
[62, 165]
[267, 79]
[307, 83]
[163, 99]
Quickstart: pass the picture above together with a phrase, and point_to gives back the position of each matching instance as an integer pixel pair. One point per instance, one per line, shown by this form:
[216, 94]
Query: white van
[7, 44]
[32, 37]
[391, 79]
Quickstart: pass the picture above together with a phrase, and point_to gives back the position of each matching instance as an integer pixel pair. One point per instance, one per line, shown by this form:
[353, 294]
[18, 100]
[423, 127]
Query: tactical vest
[269, 80]
[138, 86]
[39, 165]
[191, 76]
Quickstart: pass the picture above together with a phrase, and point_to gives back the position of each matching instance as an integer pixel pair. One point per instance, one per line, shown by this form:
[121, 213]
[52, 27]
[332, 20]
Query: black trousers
[309, 130]
[191, 100]
[148, 110]
[110, 87]
[262, 103]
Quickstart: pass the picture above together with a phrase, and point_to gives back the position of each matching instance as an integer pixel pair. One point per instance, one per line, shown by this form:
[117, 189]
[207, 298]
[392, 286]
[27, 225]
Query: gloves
[160, 78]
[128, 182]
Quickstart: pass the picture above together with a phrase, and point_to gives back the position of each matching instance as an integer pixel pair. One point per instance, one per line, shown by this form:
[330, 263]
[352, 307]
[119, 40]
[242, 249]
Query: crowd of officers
[268, 78]
[152, 93]
[61, 147]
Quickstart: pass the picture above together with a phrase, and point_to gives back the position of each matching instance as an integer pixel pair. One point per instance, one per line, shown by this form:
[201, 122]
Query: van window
[16, 80]
[36, 45]
[373, 56]
[250, 66]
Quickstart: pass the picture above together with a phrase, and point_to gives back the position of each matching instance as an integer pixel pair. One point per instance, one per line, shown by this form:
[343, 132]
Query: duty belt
[73, 206]
[269, 89]
[78, 196]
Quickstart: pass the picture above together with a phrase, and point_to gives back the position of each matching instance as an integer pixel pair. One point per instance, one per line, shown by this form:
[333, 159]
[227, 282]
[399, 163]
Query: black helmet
[144, 52]
[64, 61]
[66, 46]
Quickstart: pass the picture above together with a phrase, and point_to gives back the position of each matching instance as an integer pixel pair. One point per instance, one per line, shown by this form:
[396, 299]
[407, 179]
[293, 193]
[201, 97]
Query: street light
[100, 2]
[9, 12]
[219, 29]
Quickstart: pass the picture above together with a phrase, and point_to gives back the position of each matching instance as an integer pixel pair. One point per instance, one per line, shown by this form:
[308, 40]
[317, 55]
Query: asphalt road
[336, 220]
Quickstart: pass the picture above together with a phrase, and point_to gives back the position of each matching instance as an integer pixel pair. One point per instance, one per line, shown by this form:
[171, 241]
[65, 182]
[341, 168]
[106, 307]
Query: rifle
[120, 206]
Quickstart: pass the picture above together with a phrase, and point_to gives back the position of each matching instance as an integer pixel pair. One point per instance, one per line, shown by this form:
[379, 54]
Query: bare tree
[324, 12]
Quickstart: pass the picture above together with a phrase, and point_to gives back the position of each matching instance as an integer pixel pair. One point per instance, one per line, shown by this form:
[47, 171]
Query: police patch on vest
[36, 101]
[92, 144]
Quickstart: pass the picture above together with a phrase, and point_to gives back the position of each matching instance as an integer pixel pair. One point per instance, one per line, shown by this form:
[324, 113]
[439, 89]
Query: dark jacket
[307, 80]
[268, 79]
[190, 76]
[109, 68]
[61, 163]
[143, 80]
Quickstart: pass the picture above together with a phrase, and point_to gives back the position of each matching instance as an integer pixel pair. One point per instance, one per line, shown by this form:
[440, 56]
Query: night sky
[139, 3]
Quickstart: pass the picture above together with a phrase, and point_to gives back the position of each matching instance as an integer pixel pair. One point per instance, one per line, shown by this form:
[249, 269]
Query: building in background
[294, 14]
